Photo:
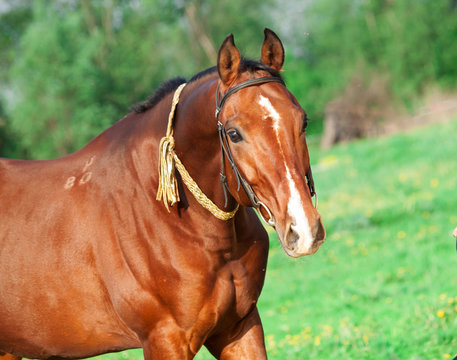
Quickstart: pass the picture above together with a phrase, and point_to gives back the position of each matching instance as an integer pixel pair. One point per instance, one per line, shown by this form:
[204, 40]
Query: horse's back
[34, 203]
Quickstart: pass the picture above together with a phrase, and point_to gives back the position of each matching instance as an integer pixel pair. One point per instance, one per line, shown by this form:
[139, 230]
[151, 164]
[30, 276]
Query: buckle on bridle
[271, 220]
[311, 187]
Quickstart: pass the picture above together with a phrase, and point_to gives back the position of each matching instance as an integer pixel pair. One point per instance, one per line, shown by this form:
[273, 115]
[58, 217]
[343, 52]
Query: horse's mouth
[293, 252]
[296, 244]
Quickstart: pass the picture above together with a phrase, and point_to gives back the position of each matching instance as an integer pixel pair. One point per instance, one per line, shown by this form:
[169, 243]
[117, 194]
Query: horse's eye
[234, 135]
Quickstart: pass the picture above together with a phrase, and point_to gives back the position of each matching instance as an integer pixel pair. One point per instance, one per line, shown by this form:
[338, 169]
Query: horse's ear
[228, 60]
[272, 51]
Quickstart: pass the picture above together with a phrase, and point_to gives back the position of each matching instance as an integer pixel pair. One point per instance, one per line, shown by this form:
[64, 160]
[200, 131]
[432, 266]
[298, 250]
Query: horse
[91, 262]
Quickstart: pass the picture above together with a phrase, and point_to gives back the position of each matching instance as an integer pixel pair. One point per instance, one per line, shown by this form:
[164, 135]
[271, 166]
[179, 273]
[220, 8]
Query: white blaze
[270, 112]
[295, 208]
[296, 211]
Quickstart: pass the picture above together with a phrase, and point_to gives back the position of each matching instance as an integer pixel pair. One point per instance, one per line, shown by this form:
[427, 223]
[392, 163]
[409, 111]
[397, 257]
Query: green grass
[384, 284]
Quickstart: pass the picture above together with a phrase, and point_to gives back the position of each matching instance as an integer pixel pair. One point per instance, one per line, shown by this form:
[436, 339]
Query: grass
[384, 284]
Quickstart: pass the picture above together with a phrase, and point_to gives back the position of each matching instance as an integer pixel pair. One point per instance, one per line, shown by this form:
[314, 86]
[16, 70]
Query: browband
[245, 84]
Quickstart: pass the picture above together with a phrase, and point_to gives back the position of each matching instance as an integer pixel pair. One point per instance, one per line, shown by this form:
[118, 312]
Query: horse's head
[262, 128]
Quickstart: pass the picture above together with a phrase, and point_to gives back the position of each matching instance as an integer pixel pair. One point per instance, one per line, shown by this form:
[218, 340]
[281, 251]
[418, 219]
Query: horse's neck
[135, 140]
[197, 140]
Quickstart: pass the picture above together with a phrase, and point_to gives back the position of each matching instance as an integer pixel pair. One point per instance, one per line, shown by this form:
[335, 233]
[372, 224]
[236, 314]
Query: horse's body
[90, 262]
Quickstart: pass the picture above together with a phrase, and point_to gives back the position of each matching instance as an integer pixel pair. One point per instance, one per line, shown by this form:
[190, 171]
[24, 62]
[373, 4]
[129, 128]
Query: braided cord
[168, 160]
[200, 196]
[168, 186]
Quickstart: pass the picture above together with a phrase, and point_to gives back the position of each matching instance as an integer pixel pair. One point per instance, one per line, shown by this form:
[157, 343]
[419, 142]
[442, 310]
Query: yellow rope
[168, 187]
[168, 160]
[200, 196]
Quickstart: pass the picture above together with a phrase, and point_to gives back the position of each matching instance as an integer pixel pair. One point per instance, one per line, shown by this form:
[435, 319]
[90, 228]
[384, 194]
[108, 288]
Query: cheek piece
[226, 152]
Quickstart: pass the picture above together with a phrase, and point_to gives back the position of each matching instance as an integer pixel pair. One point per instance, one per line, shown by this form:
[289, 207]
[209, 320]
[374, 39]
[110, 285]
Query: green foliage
[79, 65]
[74, 75]
[409, 41]
[12, 25]
[70, 69]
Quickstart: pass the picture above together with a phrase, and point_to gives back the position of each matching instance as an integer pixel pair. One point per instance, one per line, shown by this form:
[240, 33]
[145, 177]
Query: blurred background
[69, 69]
[378, 79]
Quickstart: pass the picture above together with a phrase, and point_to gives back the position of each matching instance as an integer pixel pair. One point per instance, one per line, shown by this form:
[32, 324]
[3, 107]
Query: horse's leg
[166, 342]
[245, 341]
[4, 356]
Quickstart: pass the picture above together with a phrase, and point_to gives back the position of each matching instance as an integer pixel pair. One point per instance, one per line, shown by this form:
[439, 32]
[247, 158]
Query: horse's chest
[246, 289]
[236, 288]
[233, 296]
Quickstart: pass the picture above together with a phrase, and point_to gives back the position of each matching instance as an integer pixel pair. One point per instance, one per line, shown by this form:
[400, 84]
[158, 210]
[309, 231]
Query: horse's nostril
[320, 231]
[292, 238]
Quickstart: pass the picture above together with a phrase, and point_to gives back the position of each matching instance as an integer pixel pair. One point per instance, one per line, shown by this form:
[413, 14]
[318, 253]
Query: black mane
[164, 88]
[171, 85]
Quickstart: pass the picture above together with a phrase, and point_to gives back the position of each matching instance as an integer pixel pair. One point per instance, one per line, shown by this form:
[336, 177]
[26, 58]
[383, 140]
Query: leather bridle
[226, 152]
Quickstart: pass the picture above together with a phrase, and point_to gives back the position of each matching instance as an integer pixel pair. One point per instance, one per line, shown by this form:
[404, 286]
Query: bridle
[226, 152]
[168, 190]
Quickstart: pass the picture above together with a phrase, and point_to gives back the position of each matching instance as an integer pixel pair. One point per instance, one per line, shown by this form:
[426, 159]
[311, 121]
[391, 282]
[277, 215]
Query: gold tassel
[168, 161]
[168, 186]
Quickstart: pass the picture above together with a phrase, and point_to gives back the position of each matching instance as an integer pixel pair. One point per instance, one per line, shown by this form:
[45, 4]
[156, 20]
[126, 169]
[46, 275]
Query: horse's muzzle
[302, 240]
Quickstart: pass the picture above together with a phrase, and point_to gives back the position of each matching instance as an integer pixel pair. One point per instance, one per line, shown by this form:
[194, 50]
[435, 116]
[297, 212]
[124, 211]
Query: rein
[168, 161]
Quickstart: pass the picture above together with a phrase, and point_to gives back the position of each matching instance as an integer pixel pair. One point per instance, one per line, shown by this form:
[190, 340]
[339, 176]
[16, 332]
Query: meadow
[384, 284]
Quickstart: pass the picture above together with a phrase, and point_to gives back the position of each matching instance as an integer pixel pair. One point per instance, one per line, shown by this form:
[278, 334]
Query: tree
[409, 42]
[14, 17]
[80, 65]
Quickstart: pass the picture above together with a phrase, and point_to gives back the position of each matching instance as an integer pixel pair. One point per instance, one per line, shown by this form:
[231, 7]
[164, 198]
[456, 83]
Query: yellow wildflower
[434, 183]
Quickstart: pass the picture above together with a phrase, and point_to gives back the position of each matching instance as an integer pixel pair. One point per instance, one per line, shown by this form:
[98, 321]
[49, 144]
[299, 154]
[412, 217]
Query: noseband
[226, 152]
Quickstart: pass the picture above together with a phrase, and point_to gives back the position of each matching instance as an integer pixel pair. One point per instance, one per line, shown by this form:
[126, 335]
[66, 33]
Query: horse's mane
[172, 84]
[164, 88]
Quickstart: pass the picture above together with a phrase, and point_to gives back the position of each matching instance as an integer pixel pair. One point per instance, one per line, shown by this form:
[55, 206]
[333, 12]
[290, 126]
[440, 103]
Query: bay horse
[91, 262]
